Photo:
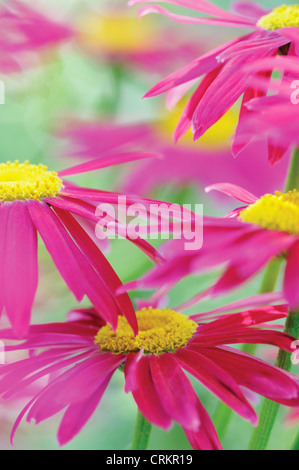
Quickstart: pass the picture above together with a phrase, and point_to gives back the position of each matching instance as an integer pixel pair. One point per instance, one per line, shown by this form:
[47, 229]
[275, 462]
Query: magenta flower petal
[206, 437]
[256, 375]
[233, 190]
[20, 267]
[175, 391]
[217, 380]
[105, 162]
[78, 414]
[292, 277]
[147, 397]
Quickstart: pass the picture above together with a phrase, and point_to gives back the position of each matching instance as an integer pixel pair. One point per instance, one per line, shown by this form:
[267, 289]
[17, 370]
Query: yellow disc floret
[21, 181]
[160, 330]
[275, 212]
[281, 17]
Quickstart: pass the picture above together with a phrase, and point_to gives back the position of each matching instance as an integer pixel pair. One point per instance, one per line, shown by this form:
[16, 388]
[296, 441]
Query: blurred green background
[69, 82]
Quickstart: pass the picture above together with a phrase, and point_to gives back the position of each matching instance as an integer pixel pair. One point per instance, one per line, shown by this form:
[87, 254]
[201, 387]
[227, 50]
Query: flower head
[81, 355]
[225, 70]
[35, 201]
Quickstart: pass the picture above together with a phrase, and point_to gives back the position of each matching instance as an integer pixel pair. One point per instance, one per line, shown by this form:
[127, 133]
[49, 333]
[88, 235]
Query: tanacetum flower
[81, 355]
[243, 242]
[34, 200]
[183, 162]
[24, 30]
[224, 77]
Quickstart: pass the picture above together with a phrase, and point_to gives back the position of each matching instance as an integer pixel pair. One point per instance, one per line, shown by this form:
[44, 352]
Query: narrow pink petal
[206, 437]
[217, 380]
[4, 216]
[74, 268]
[146, 396]
[256, 375]
[21, 270]
[78, 414]
[201, 6]
[291, 277]
[249, 9]
[198, 67]
[236, 23]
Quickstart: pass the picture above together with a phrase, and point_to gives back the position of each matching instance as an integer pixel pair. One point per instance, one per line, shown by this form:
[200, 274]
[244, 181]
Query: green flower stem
[269, 411]
[223, 413]
[142, 433]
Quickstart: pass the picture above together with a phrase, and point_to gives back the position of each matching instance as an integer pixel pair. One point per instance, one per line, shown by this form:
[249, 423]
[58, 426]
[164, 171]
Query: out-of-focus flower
[25, 30]
[244, 242]
[81, 355]
[118, 37]
[276, 115]
[225, 77]
[182, 163]
[34, 200]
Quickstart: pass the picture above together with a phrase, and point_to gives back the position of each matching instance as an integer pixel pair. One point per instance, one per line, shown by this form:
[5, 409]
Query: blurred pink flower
[225, 77]
[25, 30]
[117, 37]
[153, 367]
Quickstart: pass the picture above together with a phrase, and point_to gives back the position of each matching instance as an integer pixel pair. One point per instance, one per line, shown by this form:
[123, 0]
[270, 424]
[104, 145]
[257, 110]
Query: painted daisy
[80, 356]
[34, 200]
[225, 79]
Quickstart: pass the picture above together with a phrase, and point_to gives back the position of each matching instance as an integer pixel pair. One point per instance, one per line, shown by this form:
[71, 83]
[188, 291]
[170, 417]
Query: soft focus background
[99, 75]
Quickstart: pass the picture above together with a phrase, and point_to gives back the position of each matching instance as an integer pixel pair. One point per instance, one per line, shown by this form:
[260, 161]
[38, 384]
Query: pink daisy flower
[25, 30]
[35, 201]
[243, 242]
[182, 163]
[81, 355]
[225, 79]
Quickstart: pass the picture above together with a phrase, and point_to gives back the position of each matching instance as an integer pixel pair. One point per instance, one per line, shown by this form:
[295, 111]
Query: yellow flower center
[281, 17]
[275, 212]
[21, 181]
[117, 34]
[160, 330]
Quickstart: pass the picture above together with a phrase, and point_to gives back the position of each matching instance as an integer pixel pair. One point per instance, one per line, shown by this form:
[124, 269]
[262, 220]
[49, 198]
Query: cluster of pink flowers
[70, 363]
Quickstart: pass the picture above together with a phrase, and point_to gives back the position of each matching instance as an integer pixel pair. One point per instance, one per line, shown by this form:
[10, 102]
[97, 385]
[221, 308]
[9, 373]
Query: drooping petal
[206, 437]
[175, 391]
[20, 267]
[291, 277]
[105, 162]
